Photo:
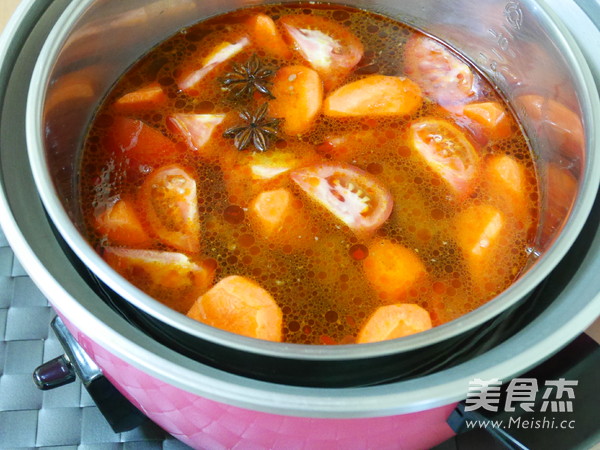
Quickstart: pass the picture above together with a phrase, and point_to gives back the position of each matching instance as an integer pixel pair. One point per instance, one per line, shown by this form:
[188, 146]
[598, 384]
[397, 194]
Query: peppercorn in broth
[311, 174]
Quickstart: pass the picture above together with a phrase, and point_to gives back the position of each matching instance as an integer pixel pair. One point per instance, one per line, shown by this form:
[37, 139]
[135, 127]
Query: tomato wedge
[133, 140]
[352, 195]
[197, 129]
[441, 75]
[168, 197]
[447, 151]
[330, 48]
[191, 76]
[562, 190]
[163, 275]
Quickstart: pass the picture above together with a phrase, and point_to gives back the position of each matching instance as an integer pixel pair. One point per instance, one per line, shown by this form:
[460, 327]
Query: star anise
[259, 130]
[247, 78]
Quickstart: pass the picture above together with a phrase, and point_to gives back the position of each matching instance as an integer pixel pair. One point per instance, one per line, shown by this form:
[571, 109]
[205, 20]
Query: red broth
[310, 174]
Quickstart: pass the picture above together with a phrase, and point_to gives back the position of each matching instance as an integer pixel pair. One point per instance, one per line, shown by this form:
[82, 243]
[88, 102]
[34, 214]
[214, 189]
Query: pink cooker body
[206, 424]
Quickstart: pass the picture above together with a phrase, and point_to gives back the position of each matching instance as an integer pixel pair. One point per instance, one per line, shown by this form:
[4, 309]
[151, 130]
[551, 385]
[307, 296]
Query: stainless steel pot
[130, 357]
[521, 46]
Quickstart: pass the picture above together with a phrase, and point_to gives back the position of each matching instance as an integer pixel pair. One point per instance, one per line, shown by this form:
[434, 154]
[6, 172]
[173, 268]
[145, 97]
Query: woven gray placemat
[63, 418]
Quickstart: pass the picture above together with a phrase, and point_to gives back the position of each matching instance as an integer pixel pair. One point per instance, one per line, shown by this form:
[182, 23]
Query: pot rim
[519, 289]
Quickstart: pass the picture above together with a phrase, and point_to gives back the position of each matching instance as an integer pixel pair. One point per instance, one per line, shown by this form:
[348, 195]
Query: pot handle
[116, 409]
[54, 373]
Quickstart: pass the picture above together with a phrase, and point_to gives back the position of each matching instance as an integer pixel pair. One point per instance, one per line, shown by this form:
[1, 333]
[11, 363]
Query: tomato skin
[330, 48]
[156, 272]
[140, 144]
[169, 200]
[196, 129]
[447, 151]
[562, 190]
[352, 195]
[193, 74]
[441, 75]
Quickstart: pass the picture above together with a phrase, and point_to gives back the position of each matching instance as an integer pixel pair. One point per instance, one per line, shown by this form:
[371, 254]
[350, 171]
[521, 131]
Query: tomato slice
[197, 129]
[330, 48]
[447, 151]
[441, 75]
[168, 197]
[192, 75]
[352, 195]
[140, 144]
[158, 273]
